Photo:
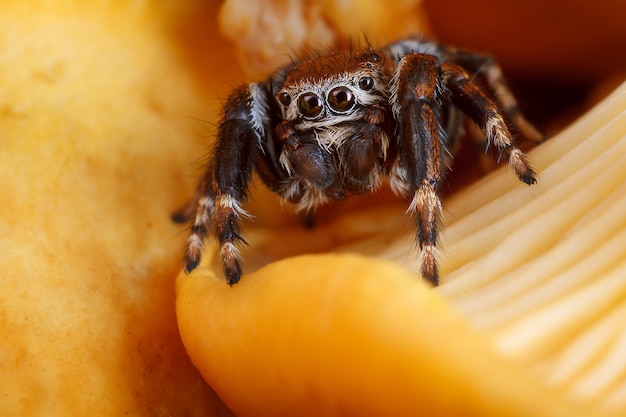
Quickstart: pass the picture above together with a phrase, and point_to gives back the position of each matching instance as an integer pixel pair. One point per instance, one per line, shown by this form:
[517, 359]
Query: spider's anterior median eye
[310, 104]
[341, 99]
[366, 83]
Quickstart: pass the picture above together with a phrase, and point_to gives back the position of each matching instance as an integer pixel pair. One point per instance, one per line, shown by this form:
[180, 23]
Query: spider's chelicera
[337, 124]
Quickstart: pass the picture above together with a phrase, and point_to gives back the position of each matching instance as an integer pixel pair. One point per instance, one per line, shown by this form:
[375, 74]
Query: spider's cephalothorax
[336, 124]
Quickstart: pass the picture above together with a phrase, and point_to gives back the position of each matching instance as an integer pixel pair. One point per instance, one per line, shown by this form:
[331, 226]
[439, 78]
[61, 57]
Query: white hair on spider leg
[497, 132]
[229, 250]
[206, 206]
[229, 202]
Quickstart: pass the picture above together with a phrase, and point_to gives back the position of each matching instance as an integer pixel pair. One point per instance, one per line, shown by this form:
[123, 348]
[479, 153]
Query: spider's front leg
[416, 104]
[224, 186]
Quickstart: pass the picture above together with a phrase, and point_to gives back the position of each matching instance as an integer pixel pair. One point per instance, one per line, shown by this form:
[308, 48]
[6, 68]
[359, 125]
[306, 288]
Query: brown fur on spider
[336, 124]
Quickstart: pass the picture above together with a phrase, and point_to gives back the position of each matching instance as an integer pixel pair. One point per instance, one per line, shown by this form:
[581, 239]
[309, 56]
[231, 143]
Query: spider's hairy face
[333, 89]
[334, 128]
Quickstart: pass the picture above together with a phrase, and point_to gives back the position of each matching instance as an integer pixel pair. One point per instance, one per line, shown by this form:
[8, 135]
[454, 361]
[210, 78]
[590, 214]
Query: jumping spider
[334, 125]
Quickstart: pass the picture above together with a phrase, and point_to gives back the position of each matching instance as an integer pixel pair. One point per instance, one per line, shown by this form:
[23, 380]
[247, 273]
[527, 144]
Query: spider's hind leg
[486, 71]
[468, 97]
[185, 213]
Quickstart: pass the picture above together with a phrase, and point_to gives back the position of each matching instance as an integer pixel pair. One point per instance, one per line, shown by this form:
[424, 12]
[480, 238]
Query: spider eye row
[340, 99]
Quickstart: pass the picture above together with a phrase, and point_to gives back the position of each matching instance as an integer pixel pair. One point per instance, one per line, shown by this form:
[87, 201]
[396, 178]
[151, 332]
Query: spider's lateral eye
[310, 104]
[284, 99]
[375, 57]
[341, 99]
[366, 83]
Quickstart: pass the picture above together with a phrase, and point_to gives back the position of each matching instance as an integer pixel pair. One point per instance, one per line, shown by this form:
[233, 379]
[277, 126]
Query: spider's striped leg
[486, 68]
[225, 209]
[199, 213]
[187, 212]
[224, 186]
[416, 101]
[468, 97]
